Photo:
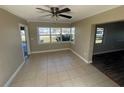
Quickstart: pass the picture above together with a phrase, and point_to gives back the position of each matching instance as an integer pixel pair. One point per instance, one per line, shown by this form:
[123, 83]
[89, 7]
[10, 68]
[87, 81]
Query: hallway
[60, 69]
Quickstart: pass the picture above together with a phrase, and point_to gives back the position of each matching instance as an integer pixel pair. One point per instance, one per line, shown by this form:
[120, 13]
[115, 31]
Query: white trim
[90, 61]
[38, 36]
[109, 51]
[53, 50]
[80, 56]
[19, 25]
[7, 84]
[28, 40]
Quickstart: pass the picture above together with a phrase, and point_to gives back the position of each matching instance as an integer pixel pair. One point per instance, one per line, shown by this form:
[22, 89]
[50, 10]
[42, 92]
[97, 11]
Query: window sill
[55, 43]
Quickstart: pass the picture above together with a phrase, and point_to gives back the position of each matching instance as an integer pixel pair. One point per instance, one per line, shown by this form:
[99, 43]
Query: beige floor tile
[60, 69]
[73, 74]
[53, 82]
[55, 85]
[67, 83]
[28, 83]
[63, 76]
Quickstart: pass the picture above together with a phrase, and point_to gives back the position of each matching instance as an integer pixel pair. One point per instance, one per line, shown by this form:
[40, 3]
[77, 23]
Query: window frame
[38, 36]
[73, 42]
[51, 35]
[61, 35]
[102, 35]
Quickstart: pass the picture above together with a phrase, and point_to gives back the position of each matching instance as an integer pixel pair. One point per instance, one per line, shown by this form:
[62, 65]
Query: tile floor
[60, 69]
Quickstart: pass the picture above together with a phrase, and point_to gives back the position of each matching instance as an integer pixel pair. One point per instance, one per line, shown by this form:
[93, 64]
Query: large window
[66, 34]
[99, 35]
[72, 34]
[54, 35]
[44, 35]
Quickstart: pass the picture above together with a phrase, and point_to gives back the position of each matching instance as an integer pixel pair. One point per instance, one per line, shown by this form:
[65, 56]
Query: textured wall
[10, 45]
[85, 30]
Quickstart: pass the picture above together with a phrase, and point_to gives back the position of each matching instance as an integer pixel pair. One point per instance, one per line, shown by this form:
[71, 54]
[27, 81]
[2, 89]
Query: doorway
[109, 50]
[24, 41]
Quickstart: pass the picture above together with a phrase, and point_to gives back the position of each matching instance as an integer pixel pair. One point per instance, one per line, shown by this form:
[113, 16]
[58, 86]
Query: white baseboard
[53, 50]
[86, 61]
[7, 84]
[90, 62]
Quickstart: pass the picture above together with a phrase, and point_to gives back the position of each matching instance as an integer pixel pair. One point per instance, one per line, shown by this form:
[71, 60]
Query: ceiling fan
[56, 12]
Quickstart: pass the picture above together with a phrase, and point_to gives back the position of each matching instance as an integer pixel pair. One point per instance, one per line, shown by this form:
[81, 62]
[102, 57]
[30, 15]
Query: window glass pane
[44, 31]
[55, 31]
[23, 36]
[44, 39]
[65, 30]
[44, 35]
[55, 38]
[99, 35]
[65, 34]
[47, 35]
[55, 34]
[72, 34]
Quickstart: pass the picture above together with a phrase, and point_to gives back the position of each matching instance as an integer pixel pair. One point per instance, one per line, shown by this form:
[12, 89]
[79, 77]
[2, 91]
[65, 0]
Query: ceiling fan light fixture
[55, 18]
[57, 13]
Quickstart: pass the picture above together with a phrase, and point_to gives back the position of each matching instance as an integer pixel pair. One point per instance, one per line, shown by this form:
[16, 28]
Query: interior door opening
[24, 44]
[108, 53]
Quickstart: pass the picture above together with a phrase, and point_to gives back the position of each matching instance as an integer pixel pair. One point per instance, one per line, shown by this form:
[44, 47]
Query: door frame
[27, 38]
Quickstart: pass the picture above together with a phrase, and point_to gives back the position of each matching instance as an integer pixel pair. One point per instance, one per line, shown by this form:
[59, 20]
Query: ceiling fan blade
[66, 16]
[63, 10]
[43, 10]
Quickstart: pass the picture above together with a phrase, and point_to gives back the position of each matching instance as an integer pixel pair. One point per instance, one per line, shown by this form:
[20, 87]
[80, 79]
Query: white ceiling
[78, 12]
